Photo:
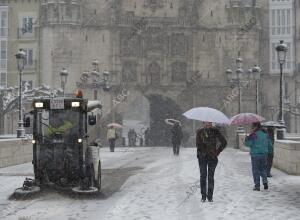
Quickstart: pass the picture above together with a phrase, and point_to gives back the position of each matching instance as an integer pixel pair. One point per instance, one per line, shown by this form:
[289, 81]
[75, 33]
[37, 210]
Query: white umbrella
[171, 121]
[207, 114]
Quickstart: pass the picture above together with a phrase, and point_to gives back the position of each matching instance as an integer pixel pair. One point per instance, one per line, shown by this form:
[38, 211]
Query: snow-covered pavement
[150, 183]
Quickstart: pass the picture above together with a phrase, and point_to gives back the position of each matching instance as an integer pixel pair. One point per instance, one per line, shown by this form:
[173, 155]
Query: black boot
[256, 188]
[203, 199]
[266, 186]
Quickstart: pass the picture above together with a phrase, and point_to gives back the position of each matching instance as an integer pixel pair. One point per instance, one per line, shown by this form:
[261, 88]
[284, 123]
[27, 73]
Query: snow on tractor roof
[94, 105]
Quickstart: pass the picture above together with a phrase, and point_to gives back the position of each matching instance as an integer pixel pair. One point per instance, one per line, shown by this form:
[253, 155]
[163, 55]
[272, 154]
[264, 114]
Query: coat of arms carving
[154, 4]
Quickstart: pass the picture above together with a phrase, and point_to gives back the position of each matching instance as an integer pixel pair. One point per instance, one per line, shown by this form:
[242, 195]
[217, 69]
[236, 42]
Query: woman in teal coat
[260, 145]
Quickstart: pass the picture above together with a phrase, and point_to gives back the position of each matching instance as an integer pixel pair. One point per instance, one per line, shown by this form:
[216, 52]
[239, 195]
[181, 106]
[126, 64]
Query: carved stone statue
[154, 73]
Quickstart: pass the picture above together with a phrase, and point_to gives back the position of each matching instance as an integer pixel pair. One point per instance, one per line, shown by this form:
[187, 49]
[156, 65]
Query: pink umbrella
[245, 119]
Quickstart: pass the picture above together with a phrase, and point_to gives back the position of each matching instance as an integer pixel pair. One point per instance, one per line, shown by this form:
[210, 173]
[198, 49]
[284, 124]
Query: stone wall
[15, 151]
[287, 156]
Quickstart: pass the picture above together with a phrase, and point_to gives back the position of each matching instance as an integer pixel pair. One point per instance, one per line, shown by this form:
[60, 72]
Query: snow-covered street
[150, 183]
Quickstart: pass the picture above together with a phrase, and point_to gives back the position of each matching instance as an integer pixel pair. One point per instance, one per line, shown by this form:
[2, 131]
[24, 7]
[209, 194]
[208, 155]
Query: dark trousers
[269, 164]
[207, 171]
[259, 169]
[176, 148]
[112, 143]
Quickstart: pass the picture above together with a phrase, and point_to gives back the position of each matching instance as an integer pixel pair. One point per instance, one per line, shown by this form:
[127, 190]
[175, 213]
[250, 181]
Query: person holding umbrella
[177, 136]
[270, 126]
[207, 139]
[259, 144]
[112, 137]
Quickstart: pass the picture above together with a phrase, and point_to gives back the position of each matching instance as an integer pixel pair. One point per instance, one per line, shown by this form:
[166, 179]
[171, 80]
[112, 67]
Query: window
[3, 79]
[27, 25]
[3, 54]
[29, 57]
[95, 94]
[281, 22]
[273, 23]
[286, 90]
[289, 21]
[3, 23]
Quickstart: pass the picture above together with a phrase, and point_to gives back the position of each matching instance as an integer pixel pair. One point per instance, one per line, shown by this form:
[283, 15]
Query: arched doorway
[162, 108]
[150, 111]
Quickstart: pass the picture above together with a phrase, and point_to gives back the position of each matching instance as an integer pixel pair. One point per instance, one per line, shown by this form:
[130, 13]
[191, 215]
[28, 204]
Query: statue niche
[179, 70]
[129, 71]
[155, 40]
[154, 4]
[178, 45]
[154, 73]
[130, 44]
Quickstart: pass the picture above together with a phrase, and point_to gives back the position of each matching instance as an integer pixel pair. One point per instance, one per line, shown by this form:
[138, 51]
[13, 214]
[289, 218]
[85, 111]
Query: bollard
[240, 130]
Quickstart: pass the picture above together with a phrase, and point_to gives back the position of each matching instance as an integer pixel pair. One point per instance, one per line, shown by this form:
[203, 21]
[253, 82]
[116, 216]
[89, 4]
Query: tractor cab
[62, 153]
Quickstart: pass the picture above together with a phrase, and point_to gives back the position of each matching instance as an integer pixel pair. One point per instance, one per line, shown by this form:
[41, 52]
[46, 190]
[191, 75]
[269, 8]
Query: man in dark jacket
[207, 140]
[177, 136]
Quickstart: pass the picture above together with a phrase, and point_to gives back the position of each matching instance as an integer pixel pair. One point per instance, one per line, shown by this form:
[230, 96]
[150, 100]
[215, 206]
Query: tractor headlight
[79, 140]
[75, 104]
[39, 105]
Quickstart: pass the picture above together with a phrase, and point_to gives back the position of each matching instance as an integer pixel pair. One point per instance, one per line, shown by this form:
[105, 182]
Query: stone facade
[22, 32]
[154, 47]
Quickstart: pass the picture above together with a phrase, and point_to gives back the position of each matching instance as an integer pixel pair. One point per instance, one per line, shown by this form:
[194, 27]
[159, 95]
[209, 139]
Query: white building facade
[3, 45]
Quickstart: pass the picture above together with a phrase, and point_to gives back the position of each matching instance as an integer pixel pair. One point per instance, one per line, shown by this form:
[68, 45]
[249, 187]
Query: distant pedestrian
[147, 137]
[270, 132]
[111, 137]
[207, 140]
[177, 136]
[259, 144]
[132, 135]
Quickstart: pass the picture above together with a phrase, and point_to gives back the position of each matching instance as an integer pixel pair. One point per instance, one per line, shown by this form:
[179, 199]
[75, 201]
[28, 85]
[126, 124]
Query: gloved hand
[218, 152]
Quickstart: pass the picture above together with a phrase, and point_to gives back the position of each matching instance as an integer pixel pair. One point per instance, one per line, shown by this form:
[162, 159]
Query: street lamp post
[93, 79]
[63, 79]
[236, 78]
[20, 56]
[281, 49]
[256, 71]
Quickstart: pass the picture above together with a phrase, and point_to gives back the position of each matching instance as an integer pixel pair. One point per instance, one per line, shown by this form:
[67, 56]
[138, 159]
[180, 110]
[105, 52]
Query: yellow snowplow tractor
[62, 153]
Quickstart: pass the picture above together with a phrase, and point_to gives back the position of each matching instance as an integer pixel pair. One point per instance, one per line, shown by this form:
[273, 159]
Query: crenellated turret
[61, 12]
